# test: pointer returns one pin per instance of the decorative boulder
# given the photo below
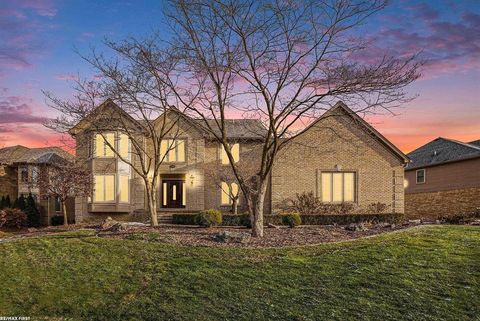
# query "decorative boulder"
(107, 223)
(231, 237)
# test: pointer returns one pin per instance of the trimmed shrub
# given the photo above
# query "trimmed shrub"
(56, 220)
(209, 218)
(184, 219)
(291, 219)
(236, 220)
(377, 208)
(12, 218)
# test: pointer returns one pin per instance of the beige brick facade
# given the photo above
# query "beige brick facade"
(332, 143)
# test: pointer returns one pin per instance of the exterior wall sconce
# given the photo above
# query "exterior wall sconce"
(338, 167)
(192, 179)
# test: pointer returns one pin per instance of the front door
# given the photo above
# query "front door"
(172, 194)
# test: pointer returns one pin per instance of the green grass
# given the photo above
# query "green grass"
(428, 273)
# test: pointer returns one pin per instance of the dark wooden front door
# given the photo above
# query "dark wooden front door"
(172, 194)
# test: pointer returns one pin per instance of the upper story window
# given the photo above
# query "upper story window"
(420, 176)
(235, 150)
(35, 173)
(102, 141)
(173, 150)
(24, 174)
(338, 187)
(124, 146)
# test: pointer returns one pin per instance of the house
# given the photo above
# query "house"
(340, 157)
(20, 168)
(443, 178)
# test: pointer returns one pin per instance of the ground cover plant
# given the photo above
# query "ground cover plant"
(423, 273)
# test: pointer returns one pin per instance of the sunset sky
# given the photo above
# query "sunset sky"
(38, 37)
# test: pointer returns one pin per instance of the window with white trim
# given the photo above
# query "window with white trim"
(420, 176)
(104, 188)
(124, 146)
(229, 191)
(338, 187)
(102, 149)
(124, 188)
(173, 150)
(235, 150)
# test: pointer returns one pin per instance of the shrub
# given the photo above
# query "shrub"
(12, 218)
(377, 208)
(291, 219)
(31, 209)
(236, 220)
(209, 218)
(56, 220)
(306, 203)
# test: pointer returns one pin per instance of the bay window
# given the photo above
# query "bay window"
(104, 188)
(102, 149)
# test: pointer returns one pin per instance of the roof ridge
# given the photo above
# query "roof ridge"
(462, 143)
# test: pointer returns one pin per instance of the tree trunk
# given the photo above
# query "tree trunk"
(235, 206)
(152, 204)
(65, 216)
(255, 204)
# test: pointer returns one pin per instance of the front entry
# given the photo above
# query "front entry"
(173, 194)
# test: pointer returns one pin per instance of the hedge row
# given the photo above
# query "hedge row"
(340, 219)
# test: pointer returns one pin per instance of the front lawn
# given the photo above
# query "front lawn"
(424, 273)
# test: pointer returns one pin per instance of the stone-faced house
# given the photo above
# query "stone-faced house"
(20, 167)
(340, 158)
(443, 178)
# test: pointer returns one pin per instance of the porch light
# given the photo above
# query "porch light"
(192, 179)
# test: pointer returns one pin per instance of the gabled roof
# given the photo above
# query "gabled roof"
(43, 155)
(442, 150)
(237, 128)
(475, 142)
(340, 109)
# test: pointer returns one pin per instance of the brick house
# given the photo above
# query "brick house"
(340, 157)
(20, 168)
(443, 178)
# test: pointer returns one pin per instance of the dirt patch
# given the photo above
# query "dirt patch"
(274, 237)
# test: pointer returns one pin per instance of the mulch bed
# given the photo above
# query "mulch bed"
(273, 237)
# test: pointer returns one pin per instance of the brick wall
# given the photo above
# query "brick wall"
(432, 205)
(339, 141)
(9, 182)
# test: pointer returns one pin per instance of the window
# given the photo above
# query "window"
(173, 149)
(104, 188)
(24, 174)
(235, 150)
(101, 147)
(337, 187)
(124, 186)
(228, 192)
(420, 176)
(57, 204)
(124, 146)
(35, 172)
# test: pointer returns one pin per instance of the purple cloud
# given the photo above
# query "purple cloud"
(15, 109)
(42, 7)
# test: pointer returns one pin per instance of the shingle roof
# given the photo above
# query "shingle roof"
(475, 142)
(442, 150)
(237, 128)
(22, 154)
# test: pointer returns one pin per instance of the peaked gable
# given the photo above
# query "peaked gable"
(342, 110)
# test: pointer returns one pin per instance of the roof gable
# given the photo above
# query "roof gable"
(340, 110)
(442, 150)
(43, 155)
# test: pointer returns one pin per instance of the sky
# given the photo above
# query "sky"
(39, 39)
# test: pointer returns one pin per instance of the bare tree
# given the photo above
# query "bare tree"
(133, 75)
(63, 180)
(282, 62)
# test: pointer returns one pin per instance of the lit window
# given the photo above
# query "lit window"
(337, 187)
(420, 176)
(124, 146)
(124, 187)
(235, 150)
(173, 150)
(228, 193)
(102, 149)
(104, 188)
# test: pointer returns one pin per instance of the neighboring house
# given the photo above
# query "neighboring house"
(340, 158)
(443, 178)
(20, 168)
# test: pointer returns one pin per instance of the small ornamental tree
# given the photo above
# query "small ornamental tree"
(2, 202)
(64, 180)
(30, 208)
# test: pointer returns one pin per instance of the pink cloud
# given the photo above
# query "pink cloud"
(42, 7)
(66, 77)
